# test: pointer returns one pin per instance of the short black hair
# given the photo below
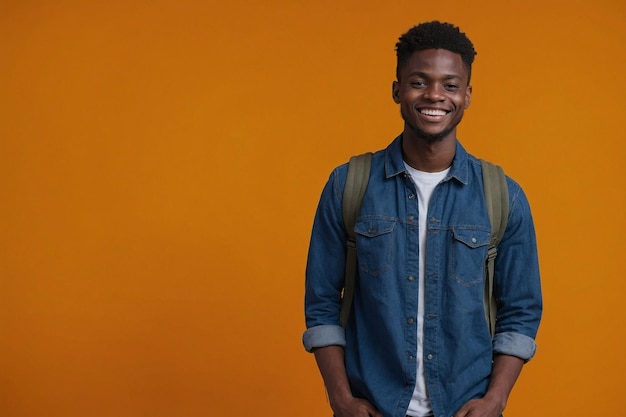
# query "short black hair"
(434, 35)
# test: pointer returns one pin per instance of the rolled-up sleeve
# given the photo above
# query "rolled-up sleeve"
(324, 335)
(515, 344)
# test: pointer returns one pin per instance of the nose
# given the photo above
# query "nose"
(434, 92)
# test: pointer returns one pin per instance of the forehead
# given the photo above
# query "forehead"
(436, 63)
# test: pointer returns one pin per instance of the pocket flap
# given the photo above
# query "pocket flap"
(472, 238)
(373, 228)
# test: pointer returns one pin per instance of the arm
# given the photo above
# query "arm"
(330, 361)
(324, 282)
(506, 369)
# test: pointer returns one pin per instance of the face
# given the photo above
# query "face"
(433, 92)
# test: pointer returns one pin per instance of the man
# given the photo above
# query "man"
(417, 342)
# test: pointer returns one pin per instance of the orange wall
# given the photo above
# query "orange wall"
(160, 164)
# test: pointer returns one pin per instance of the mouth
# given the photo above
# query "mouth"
(432, 115)
(433, 112)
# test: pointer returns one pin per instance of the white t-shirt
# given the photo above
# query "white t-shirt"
(425, 183)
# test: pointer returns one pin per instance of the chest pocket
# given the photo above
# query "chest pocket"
(468, 255)
(374, 245)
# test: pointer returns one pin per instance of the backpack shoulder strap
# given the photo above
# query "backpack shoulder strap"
(497, 199)
(356, 184)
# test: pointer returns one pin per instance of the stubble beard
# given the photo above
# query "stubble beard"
(431, 137)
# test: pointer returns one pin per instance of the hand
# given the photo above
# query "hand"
(482, 407)
(355, 407)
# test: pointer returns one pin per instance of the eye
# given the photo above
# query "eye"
(452, 87)
(417, 84)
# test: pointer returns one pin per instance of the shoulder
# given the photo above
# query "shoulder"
(340, 172)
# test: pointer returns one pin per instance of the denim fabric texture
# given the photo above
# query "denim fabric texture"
(380, 339)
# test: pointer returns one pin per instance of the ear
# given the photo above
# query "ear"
(395, 89)
(468, 96)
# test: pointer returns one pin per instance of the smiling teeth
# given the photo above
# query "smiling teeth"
(433, 112)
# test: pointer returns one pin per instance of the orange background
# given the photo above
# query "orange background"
(161, 161)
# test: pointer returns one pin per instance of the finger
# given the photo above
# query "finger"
(462, 412)
(374, 413)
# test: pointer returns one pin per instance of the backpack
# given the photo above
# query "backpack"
(496, 197)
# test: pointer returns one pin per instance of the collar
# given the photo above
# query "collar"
(394, 163)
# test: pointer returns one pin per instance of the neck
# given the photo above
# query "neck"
(428, 156)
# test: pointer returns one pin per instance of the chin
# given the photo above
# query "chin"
(431, 137)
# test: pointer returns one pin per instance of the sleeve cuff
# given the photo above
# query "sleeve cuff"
(323, 335)
(515, 344)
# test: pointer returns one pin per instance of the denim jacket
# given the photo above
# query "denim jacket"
(380, 339)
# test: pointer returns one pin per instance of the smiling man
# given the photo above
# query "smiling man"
(417, 342)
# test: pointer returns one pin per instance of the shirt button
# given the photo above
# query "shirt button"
(410, 357)
(411, 196)
(410, 321)
(411, 278)
(473, 240)
(430, 356)
(411, 218)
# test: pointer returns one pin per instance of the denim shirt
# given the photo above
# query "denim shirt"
(380, 339)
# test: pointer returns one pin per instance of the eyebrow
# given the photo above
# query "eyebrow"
(425, 75)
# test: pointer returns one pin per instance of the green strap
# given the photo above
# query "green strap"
(356, 184)
(497, 199)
